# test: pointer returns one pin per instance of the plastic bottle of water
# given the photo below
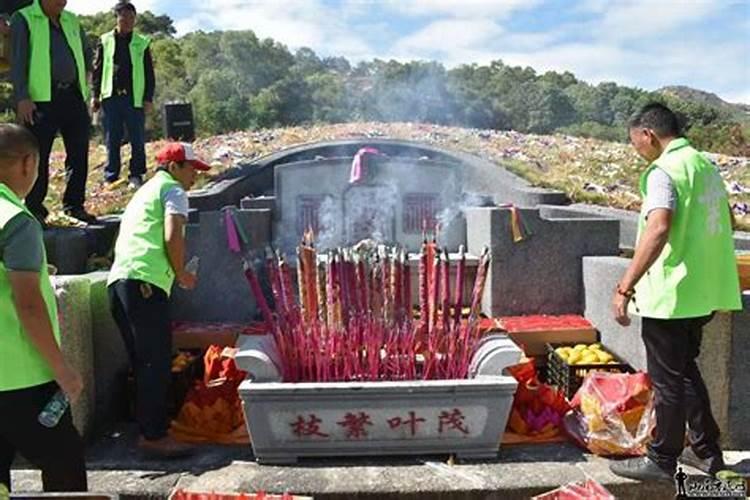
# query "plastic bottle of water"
(52, 413)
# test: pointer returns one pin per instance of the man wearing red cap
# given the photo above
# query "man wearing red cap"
(149, 258)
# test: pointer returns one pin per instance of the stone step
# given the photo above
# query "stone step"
(520, 472)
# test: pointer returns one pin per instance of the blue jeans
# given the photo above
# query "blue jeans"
(119, 111)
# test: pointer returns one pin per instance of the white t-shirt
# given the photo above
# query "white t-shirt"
(660, 192)
(176, 202)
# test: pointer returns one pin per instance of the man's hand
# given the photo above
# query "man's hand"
(25, 112)
(148, 107)
(95, 104)
(187, 280)
(620, 308)
(71, 383)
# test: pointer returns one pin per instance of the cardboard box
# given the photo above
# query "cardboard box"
(203, 335)
(532, 333)
(743, 266)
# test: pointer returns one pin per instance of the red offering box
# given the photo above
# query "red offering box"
(532, 333)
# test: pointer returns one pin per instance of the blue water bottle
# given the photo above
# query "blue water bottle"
(52, 413)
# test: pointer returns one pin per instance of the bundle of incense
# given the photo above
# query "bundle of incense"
(424, 291)
(376, 289)
(343, 286)
(446, 292)
(458, 303)
(320, 279)
(479, 281)
(385, 273)
(330, 292)
(260, 298)
(287, 290)
(344, 334)
(306, 278)
(302, 286)
(435, 294)
(275, 279)
(396, 287)
(363, 285)
(406, 287)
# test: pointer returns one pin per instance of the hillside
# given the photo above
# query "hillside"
(737, 110)
(588, 170)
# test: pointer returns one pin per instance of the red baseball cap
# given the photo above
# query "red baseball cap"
(179, 152)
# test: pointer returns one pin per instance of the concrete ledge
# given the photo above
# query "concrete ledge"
(519, 473)
(74, 308)
(628, 221)
(542, 273)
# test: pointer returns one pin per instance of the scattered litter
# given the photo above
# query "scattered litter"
(608, 170)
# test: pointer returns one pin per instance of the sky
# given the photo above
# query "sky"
(648, 44)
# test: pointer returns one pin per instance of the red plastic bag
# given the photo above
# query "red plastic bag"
(612, 414)
(588, 490)
(537, 408)
(212, 410)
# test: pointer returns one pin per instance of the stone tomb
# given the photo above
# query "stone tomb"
(390, 204)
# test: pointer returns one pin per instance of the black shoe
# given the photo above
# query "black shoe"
(641, 469)
(710, 465)
(81, 214)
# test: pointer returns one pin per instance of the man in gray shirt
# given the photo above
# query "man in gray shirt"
(61, 107)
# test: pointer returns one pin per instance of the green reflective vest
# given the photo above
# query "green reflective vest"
(140, 251)
(40, 65)
(696, 273)
(138, 46)
(21, 365)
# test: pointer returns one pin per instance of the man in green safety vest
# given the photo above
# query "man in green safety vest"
(50, 64)
(123, 87)
(683, 270)
(32, 368)
(149, 258)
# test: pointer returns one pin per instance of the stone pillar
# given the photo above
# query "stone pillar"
(222, 293)
(74, 308)
(542, 273)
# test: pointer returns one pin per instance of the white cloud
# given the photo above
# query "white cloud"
(632, 42)
(461, 8)
(447, 36)
(635, 19)
(308, 24)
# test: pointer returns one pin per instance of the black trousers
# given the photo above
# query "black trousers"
(57, 451)
(681, 397)
(66, 113)
(141, 311)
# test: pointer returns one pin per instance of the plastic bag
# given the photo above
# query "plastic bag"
(612, 414)
(212, 410)
(588, 490)
(538, 408)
